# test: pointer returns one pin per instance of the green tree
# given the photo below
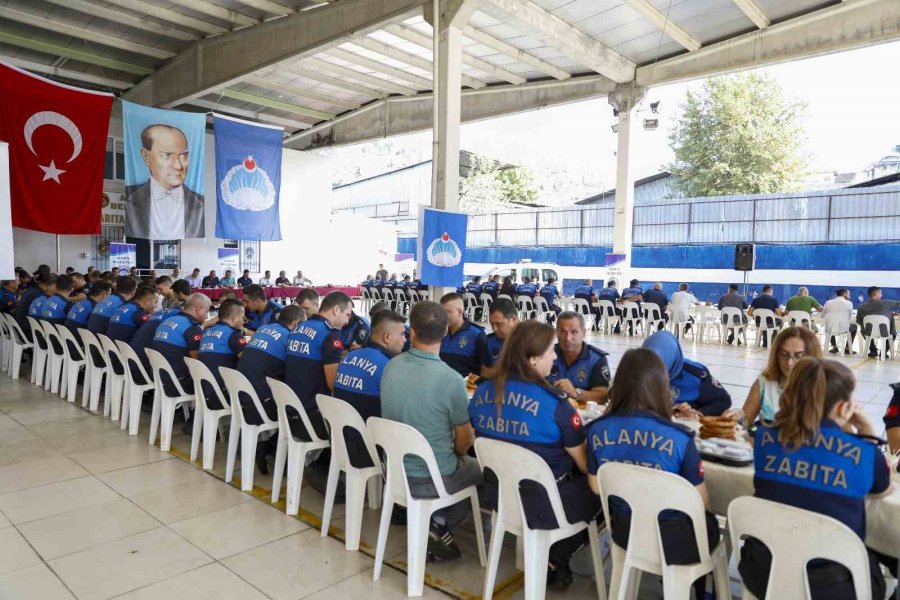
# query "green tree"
(739, 135)
(488, 187)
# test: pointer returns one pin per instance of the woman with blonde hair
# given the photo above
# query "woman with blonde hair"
(763, 399)
(806, 458)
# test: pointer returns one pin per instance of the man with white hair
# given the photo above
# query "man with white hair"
(179, 336)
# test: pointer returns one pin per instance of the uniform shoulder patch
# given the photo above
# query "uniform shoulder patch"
(575, 420)
(145, 317)
(242, 341)
(197, 337)
(337, 344)
(892, 411)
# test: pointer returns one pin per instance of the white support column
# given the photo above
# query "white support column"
(624, 99)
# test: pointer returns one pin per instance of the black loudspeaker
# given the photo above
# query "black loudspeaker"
(744, 257)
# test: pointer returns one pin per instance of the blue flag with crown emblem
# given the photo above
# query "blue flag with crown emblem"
(248, 179)
(441, 247)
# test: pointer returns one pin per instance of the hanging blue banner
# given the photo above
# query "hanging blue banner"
(123, 256)
(248, 179)
(441, 247)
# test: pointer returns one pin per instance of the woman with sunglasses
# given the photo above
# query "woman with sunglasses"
(791, 345)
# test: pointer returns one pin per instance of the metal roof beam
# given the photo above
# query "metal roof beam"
(67, 73)
(754, 13)
(664, 24)
(96, 10)
(250, 114)
(420, 62)
(571, 41)
(490, 41)
(342, 84)
(376, 82)
(289, 107)
(399, 115)
(171, 16)
(268, 6)
(83, 34)
(374, 65)
(219, 61)
(294, 90)
(845, 26)
(217, 12)
(86, 57)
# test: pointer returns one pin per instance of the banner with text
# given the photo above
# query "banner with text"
(7, 268)
(123, 256)
(229, 260)
(441, 247)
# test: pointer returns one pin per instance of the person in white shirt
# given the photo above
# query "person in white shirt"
(194, 279)
(266, 280)
(299, 279)
(842, 307)
(680, 302)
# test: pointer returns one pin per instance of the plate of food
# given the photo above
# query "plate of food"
(718, 441)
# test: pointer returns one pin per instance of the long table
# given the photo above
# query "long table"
(278, 291)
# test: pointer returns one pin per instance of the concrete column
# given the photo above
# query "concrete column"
(624, 99)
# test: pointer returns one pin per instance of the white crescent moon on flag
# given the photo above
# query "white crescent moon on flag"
(49, 117)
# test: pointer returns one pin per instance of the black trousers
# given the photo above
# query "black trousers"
(827, 580)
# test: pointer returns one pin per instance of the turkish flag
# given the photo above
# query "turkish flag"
(57, 148)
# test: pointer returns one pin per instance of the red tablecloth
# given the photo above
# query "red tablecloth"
(277, 292)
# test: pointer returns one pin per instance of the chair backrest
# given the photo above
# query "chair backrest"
(525, 302)
(54, 343)
(876, 326)
(581, 306)
(607, 308)
(765, 317)
(794, 537)
(504, 296)
(652, 311)
(398, 441)
(236, 383)
(18, 336)
(649, 492)
(365, 293)
(4, 326)
(512, 465)
(340, 414)
(92, 348)
(469, 299)
(112, 352)
(200, 373)
(132, 361)
(797, 317)
(631, 310)
(837, 324)
(71, 346)
(733, 316)
(159, 365)
(540, 304)
(37, 331)
(485, 297)
(286, 398)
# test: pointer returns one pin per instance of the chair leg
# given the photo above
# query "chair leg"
(197, 431)
(490, 576)
(86, 387)
(135, 399)
(72, 385)
(375, 487)
(96, 382)
(125, 413)
(296, 462)
(116, 385)
(166, 422)
(107, 393)
(353, 513)
(596, 556)
(234, 435)
(479, 529)
(281, 449)
(720, 576)
(384, 525)
(248, 456)
(210, 423)
(537, 551)
(617, 584)
(154, 418)
(417, 520)
(334, 475)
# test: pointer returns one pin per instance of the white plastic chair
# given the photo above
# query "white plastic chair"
(734, 323)
(5, 343)
(210, 416)
(837, 326)
(73, 362)
(290, 449)
(507, 296)
(512, 465)
(486, 301)
(649, 492)
(631, 315)
(583, 307)
(115, 381)
(652, 317)
(609, 319)
(399, 440)
(879, 328)
(526, 307)
(542, 309)
(797, 318)
(134, 390)
(20, 343)
(340, 415)
(678, 322)
(470, 303)
(794, 537)
(56, 358)
(97, 370)
(365, 299)
(164, 406)
(241, 431)
(768, 326)
(40, 350)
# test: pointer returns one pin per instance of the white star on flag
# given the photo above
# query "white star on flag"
(51, 172)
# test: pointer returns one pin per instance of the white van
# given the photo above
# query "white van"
(542, 272)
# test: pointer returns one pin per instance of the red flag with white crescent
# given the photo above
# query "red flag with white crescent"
(57, 148)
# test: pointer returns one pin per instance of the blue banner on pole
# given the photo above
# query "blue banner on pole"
(123, 256)
(229, 260)
(248, 179)
(441, 247)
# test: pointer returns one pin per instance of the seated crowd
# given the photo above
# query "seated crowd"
(529, 379)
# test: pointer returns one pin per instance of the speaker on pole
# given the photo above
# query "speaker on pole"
(744, 257)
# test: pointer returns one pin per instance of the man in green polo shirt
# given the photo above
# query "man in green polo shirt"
(803, 301)
(420, 390)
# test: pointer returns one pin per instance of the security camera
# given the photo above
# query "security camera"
(654, 107)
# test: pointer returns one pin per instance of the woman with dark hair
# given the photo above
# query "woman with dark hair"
(637, 429)
(807, 459)
(508, 288)
(763, 399)
(519, 406)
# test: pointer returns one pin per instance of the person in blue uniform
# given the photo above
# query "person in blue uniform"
(542, 420)
(580, 369)
(179, 336)
(98, 322)
(80, 287)
(806, 458)
(308, 301)
(658, 297)
(221, 346)
(491, 287)
(77, 317)
(143, 337)
(693, 388)
(503, 318)
(475, 287)
(639, 411)
(527, 288)
(633, 293)
(550, 293)
(356, 332)
(610, 294)
(9, 296)
(127, 318)
(259, 310)
(585, 292)
(465, 345)
(358, 378)
(45, 286)
(54, 308)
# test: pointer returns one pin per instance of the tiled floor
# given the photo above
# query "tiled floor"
(88, 512)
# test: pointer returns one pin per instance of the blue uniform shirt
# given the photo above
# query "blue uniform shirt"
(356, 331)
(219, 347)
(77, 317)
(584, 292)
(37, 307)
(830, 474)
(696, 386)
(244, 281)
(526, 289)
(608, 293)
(24, 307)
(494, 346)
(474, 288)
(632, 291)
(531, 416)
(465, 350)
(103, 312)
(7, 302)
(175, 337)
(491, 288)
(314, 344)
(264, 357)
(54, 309)
(143, 337)
(256, 320)
(590, 369)
(550, 293)
(125, 322)
(657, 297)
(358, 379)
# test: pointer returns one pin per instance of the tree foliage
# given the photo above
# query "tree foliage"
(739, 135)
(488, 187)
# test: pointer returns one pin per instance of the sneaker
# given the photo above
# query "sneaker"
(441, 546)
(559, 578)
